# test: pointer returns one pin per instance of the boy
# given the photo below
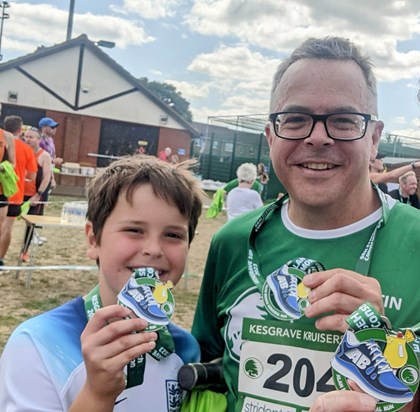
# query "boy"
(142, 213)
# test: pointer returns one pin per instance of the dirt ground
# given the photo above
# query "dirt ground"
(67, 247)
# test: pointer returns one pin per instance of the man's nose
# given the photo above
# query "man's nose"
(319, 135)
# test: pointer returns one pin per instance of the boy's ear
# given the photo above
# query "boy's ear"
(92, 246)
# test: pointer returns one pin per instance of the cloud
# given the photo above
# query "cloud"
(413, 130)
(399, 120)
(190, 90)
(151, 9)
(29, 28)
(237, 71)
(378, 27)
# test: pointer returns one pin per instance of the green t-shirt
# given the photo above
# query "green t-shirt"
(300, 354)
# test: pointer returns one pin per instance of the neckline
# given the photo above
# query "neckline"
(333, 233)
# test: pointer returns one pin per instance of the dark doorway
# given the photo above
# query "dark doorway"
(121, 139)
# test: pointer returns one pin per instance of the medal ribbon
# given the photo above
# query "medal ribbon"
(362, 266)
(135, 369)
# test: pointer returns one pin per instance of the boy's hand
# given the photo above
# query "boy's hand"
(108, 345)
(341, 292)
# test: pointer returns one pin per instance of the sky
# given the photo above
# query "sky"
(221, 54)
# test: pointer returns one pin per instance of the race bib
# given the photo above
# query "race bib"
(278, 371)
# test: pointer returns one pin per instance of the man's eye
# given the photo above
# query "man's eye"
(345, 120)
(294, 119)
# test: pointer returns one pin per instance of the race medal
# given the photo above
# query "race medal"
(381, 361)
(148, 298)
(284, 294)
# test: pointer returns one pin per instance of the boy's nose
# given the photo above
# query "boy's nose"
(152, 247)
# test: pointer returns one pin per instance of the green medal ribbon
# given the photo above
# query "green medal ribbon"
(362, 266)
(135, 369)
(367, 317)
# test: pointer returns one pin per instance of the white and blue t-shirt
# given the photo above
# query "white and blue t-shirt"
(42, 367)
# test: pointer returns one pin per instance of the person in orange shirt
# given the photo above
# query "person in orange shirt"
(26, 168)
(36, 191)
(7, 152)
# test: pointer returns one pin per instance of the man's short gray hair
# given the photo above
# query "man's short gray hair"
(329, 48)
(247, 172)
(403, 178)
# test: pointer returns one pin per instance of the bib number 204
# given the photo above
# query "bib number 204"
(304, 380)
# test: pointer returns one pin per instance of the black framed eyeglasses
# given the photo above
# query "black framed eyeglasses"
(339, 126)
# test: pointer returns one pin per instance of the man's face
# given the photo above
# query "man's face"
(410, 186)
(50, 131)
(319, 171)
(377, 166)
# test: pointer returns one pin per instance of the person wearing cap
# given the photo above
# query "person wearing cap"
(48, 129)
(142, 147)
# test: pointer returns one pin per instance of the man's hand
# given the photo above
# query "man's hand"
(58, 161)
(344, 401)
(341, 292)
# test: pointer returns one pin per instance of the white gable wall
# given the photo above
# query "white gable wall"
(99, 81)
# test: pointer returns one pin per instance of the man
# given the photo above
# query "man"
(407, 192)
(48, 129)
(276, 332)
(25, 168)
(7, 152)
(381, 177)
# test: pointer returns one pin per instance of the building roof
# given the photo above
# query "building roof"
(83, 42)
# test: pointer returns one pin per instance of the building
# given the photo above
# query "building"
(101, 108)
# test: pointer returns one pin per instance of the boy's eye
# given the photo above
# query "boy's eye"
(134, 230)
(175, 235)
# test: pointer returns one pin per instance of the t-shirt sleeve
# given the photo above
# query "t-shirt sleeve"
(258, 201)
(25, 385)
(206, 327)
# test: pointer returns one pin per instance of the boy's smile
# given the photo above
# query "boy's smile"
(148, 232)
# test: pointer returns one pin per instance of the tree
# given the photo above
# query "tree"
(169, 95)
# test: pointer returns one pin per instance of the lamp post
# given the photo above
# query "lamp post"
(70, 21)
(4, 5)
(105, 43)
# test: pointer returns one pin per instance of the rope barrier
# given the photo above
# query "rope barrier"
(54, 202)
(48, 267)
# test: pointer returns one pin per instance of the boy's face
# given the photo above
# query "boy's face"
(148, 233)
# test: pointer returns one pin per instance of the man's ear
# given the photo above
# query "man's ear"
(376, 137)
(268, 134)
(92, 246)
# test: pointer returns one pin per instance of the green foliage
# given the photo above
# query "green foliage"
(169, 95)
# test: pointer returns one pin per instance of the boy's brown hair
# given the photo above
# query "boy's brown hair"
(173, 183)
